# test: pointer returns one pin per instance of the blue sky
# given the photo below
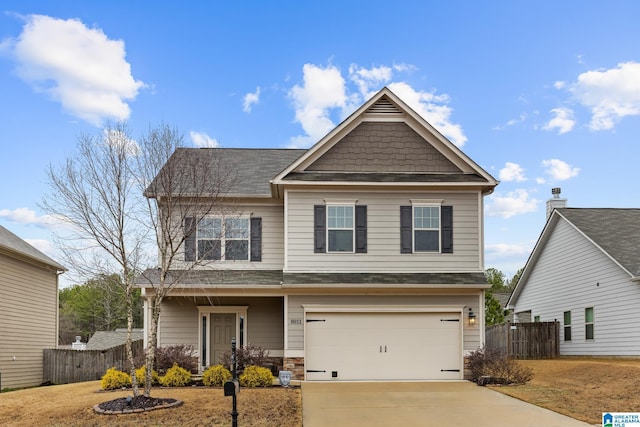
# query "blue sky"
(541, 94)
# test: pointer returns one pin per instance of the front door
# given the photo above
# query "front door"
(223, 329)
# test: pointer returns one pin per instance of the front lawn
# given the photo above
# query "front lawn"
(582, 388)
(72, 405)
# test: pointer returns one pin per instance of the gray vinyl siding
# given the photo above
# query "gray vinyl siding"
(383, 234)
(28, 319)
(272, 239)
(179, 320)
(471, 336)
(573, 274)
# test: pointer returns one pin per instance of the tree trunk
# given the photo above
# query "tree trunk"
(152, 344)
(129, 350)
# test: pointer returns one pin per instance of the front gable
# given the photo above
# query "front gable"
(383, 147)
(385, 141)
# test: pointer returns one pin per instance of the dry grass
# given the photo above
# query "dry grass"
(72, 405)
(581, 388)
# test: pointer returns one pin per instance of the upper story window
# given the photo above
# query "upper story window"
(426, 228)
(229, 239)
(340, 228)
(217, 236)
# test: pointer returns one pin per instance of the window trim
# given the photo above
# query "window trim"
(223, 239)
(423, 204)
(333, 204)
(591, 323)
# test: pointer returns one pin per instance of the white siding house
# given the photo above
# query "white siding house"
(361, 257)
(585, 272)
(28, 310)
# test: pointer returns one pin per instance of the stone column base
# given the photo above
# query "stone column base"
(296, 366)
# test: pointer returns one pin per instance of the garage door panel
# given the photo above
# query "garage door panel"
(383, 346)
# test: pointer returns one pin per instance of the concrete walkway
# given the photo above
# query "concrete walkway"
(464, 404)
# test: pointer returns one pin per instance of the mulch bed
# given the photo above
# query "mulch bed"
(137, 404)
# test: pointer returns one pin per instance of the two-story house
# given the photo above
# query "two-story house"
(360, 258)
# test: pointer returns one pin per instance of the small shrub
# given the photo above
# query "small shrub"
(176, 377)
(216, 376)
(256, 376)
(141, 372)
(250, 355)
(499, 368)
(114, 379)
(183, 355)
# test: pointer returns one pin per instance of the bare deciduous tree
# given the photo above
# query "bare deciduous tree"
(120, 196)
(180, 188)
(95, 193)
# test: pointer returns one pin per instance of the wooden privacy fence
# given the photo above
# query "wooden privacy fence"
(72, 366)
(538, 340)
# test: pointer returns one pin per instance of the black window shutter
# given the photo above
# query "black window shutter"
(446, 218)
(406, 241)
(190, 239)
(256, 239)
(361, 229)
(319, 229)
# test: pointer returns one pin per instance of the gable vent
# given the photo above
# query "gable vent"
(384, 106)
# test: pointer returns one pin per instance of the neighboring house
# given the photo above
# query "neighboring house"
(103, 340)
(585, 273)
(360, 258)
(28, 310)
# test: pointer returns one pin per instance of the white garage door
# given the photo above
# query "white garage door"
(383, 346)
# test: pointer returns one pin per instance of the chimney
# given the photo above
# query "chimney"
(555, 202)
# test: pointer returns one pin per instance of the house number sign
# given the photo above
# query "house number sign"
(295, 321)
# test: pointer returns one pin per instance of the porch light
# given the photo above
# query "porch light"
(472, 317)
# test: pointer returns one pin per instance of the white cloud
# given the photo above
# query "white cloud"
(508, 249)
(559, 84)
(117, 137)
(433, 109)
(563, 120)
(202, 140)
(512, 172)
(610, 94)
(541, 181)
(79, 67)
(512, 122)
(513, 203)
(559, 170)
(370, 80)
(28, 217)
(250, 99)
(323, 89)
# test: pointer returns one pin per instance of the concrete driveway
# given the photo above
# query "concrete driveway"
(461, 403)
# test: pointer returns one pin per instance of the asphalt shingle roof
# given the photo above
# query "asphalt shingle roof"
(209, 278)
(13, 243)
(103, 340)
(616, 231)
(240, 170)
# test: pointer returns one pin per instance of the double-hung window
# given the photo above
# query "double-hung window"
(426, 228)
(588, 323)
(222, 238)
(567, 326)
(340, 228)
